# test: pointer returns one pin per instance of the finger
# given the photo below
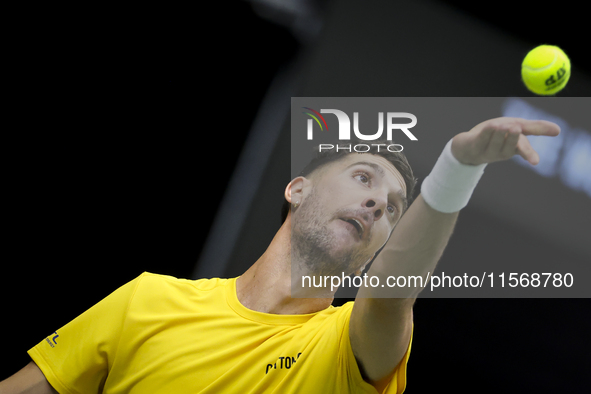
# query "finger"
(483, 140)
(496, 142)
(510, 146)
(539, 127)
(525, 150)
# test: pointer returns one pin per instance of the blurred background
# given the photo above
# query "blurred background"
(157, 139)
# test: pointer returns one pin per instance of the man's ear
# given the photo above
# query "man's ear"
(294, 192)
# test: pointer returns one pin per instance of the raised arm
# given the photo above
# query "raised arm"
(29, 380)
(380, 328)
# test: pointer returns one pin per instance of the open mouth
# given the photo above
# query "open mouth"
(355, 223)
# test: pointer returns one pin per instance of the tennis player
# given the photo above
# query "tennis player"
(251, 334)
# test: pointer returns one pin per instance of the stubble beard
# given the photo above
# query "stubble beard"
(313, 243)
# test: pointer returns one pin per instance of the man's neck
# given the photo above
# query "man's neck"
(266, 286)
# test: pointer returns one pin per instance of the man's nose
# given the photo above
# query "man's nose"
(376, 205)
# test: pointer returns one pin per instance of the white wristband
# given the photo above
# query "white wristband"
(450, 184)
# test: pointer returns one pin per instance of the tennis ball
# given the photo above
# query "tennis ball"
(545, 70)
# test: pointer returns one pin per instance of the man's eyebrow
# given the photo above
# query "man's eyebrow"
(376, 167)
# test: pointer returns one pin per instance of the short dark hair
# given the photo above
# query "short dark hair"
(398, 160)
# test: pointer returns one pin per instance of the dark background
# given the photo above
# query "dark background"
(126, 124)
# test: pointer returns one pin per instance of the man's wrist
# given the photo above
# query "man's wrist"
(450, 184)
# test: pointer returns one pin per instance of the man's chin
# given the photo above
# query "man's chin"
(336, 254)
(342, 261)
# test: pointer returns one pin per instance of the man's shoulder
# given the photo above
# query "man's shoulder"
(337, 312)
(152, 285)
(164, 280)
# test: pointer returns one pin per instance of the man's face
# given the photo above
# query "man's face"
(348, 213)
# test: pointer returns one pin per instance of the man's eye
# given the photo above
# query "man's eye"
(391, 209)
(363, 178)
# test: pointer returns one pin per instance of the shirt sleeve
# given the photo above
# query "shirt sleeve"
(398, 382)
(397, 379)
(77, 357)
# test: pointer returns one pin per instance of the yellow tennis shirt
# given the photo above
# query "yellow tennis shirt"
(159, 334)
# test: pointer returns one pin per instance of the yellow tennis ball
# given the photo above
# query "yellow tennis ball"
(545, 70)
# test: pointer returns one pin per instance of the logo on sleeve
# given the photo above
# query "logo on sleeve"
(53, 341)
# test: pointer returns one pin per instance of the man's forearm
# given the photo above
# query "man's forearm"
(382, 316)
(29, 380)
(415, 247)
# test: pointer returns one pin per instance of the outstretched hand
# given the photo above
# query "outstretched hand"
(500, 139)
